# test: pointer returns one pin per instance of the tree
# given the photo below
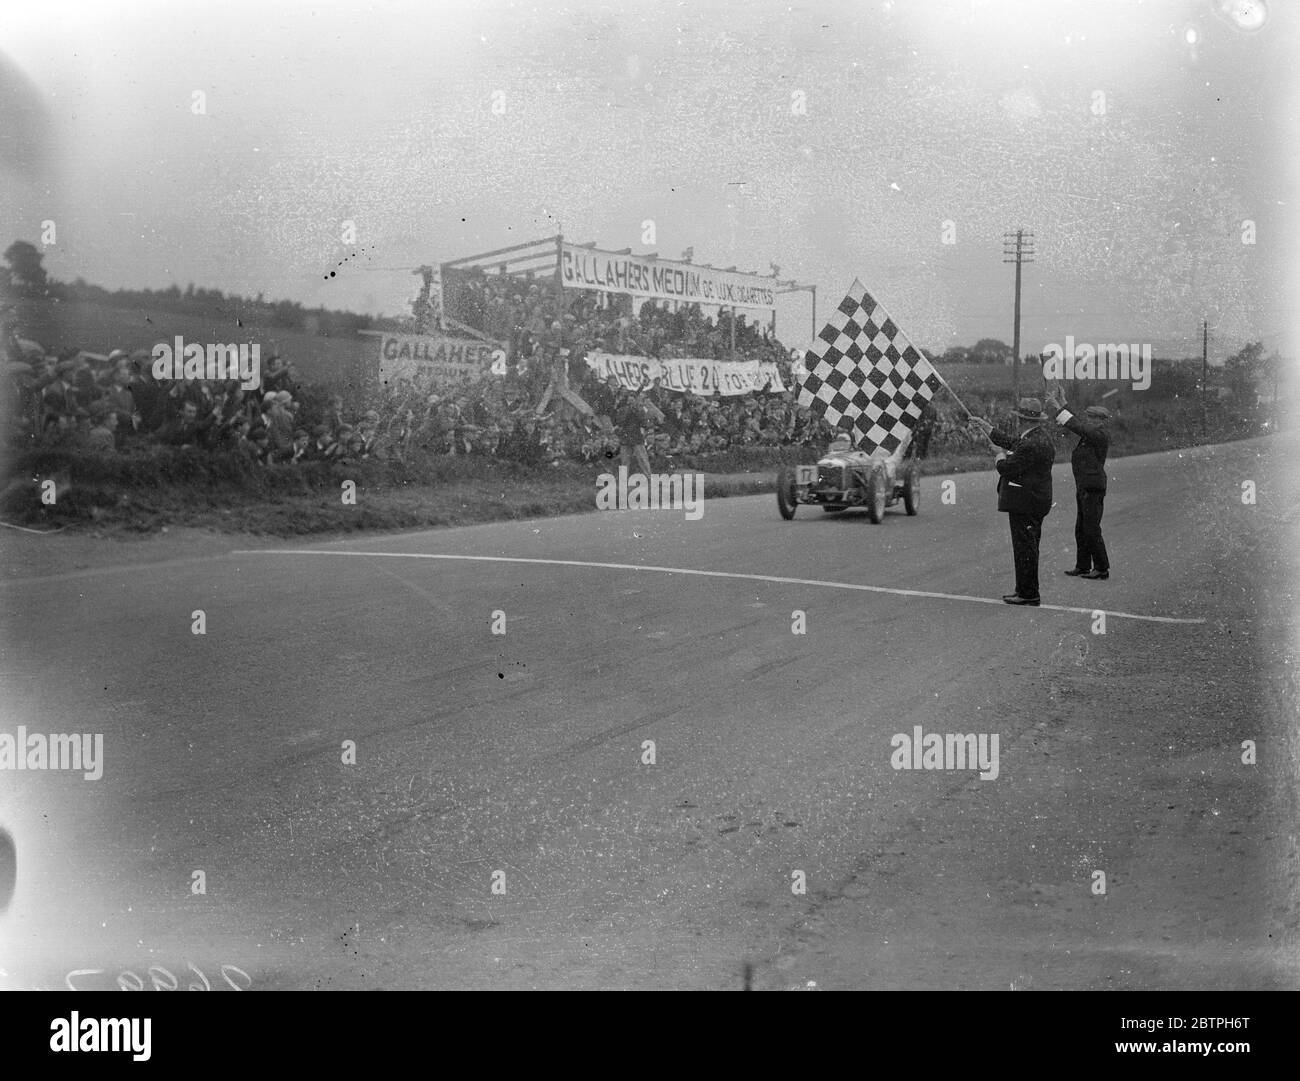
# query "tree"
(990, 351)
(1175, 378)
(27, 276)
(957, 354)
(1249, 372)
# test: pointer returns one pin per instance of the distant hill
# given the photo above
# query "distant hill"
(99, 328)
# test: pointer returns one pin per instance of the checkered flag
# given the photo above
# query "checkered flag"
(863, 375)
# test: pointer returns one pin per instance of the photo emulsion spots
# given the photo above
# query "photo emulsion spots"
(519, 495)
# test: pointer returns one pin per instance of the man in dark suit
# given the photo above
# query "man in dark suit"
(1088, 461)
(1024, 492)
(631, 418)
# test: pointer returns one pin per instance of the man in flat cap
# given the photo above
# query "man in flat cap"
(1088, 460)
(101, 439)
(1024, 492)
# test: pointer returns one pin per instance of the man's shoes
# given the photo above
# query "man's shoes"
(1015, 598)
(1098, 576)
(1075, 572)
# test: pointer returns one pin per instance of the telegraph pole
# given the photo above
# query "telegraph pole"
(1017, 248)
(1205, 376)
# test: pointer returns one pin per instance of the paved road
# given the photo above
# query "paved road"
(519, 759)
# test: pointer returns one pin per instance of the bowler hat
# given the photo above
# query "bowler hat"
(1098, 411)
(1030, 409)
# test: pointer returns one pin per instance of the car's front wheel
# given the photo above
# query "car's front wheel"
(786, 500)
(878, 498)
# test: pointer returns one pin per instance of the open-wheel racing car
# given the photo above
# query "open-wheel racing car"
(846, 478)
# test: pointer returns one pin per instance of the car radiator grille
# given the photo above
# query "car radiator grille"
(830, 476)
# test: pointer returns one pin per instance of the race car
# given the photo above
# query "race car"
(846, 478)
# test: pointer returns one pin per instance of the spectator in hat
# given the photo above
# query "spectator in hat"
(356, 447)
(1088, 463)
(101, 438)
(120, 399)
(334, 413)
(323, 444)
(346, 443)
(279, 422)
(59, 394)
(630, 420)
(56, 428)
(150, 398)
(1024, 492)
(922, 432)
(368, 429)
(186, 428)
(298, 448)
(257, 446)
(277, 374)
(234, 433)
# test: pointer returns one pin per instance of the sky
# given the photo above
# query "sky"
(835, 140)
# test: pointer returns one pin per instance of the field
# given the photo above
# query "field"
(983, 380)
(988, 378)
(99, 329)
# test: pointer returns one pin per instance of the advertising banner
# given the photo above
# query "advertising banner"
(609, 272)
(704, 377)
(434, 360)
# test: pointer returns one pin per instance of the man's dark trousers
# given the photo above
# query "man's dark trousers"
(1087, 530)
(1026, 531)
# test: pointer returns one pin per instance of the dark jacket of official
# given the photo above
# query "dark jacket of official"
(1088, 459)
(1025, 486)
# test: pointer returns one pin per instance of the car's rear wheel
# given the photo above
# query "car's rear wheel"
(879, 497)
(912, 490)
(786, 500)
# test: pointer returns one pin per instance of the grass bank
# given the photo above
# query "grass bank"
(151, 488)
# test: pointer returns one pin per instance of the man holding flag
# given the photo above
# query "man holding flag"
(864, 376)
(1024, 492)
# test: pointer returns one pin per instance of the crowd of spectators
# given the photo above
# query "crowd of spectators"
(536, 318)
(542, 325)
(495, 417)
(107, 403)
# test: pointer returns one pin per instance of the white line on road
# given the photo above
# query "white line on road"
(699, 573)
